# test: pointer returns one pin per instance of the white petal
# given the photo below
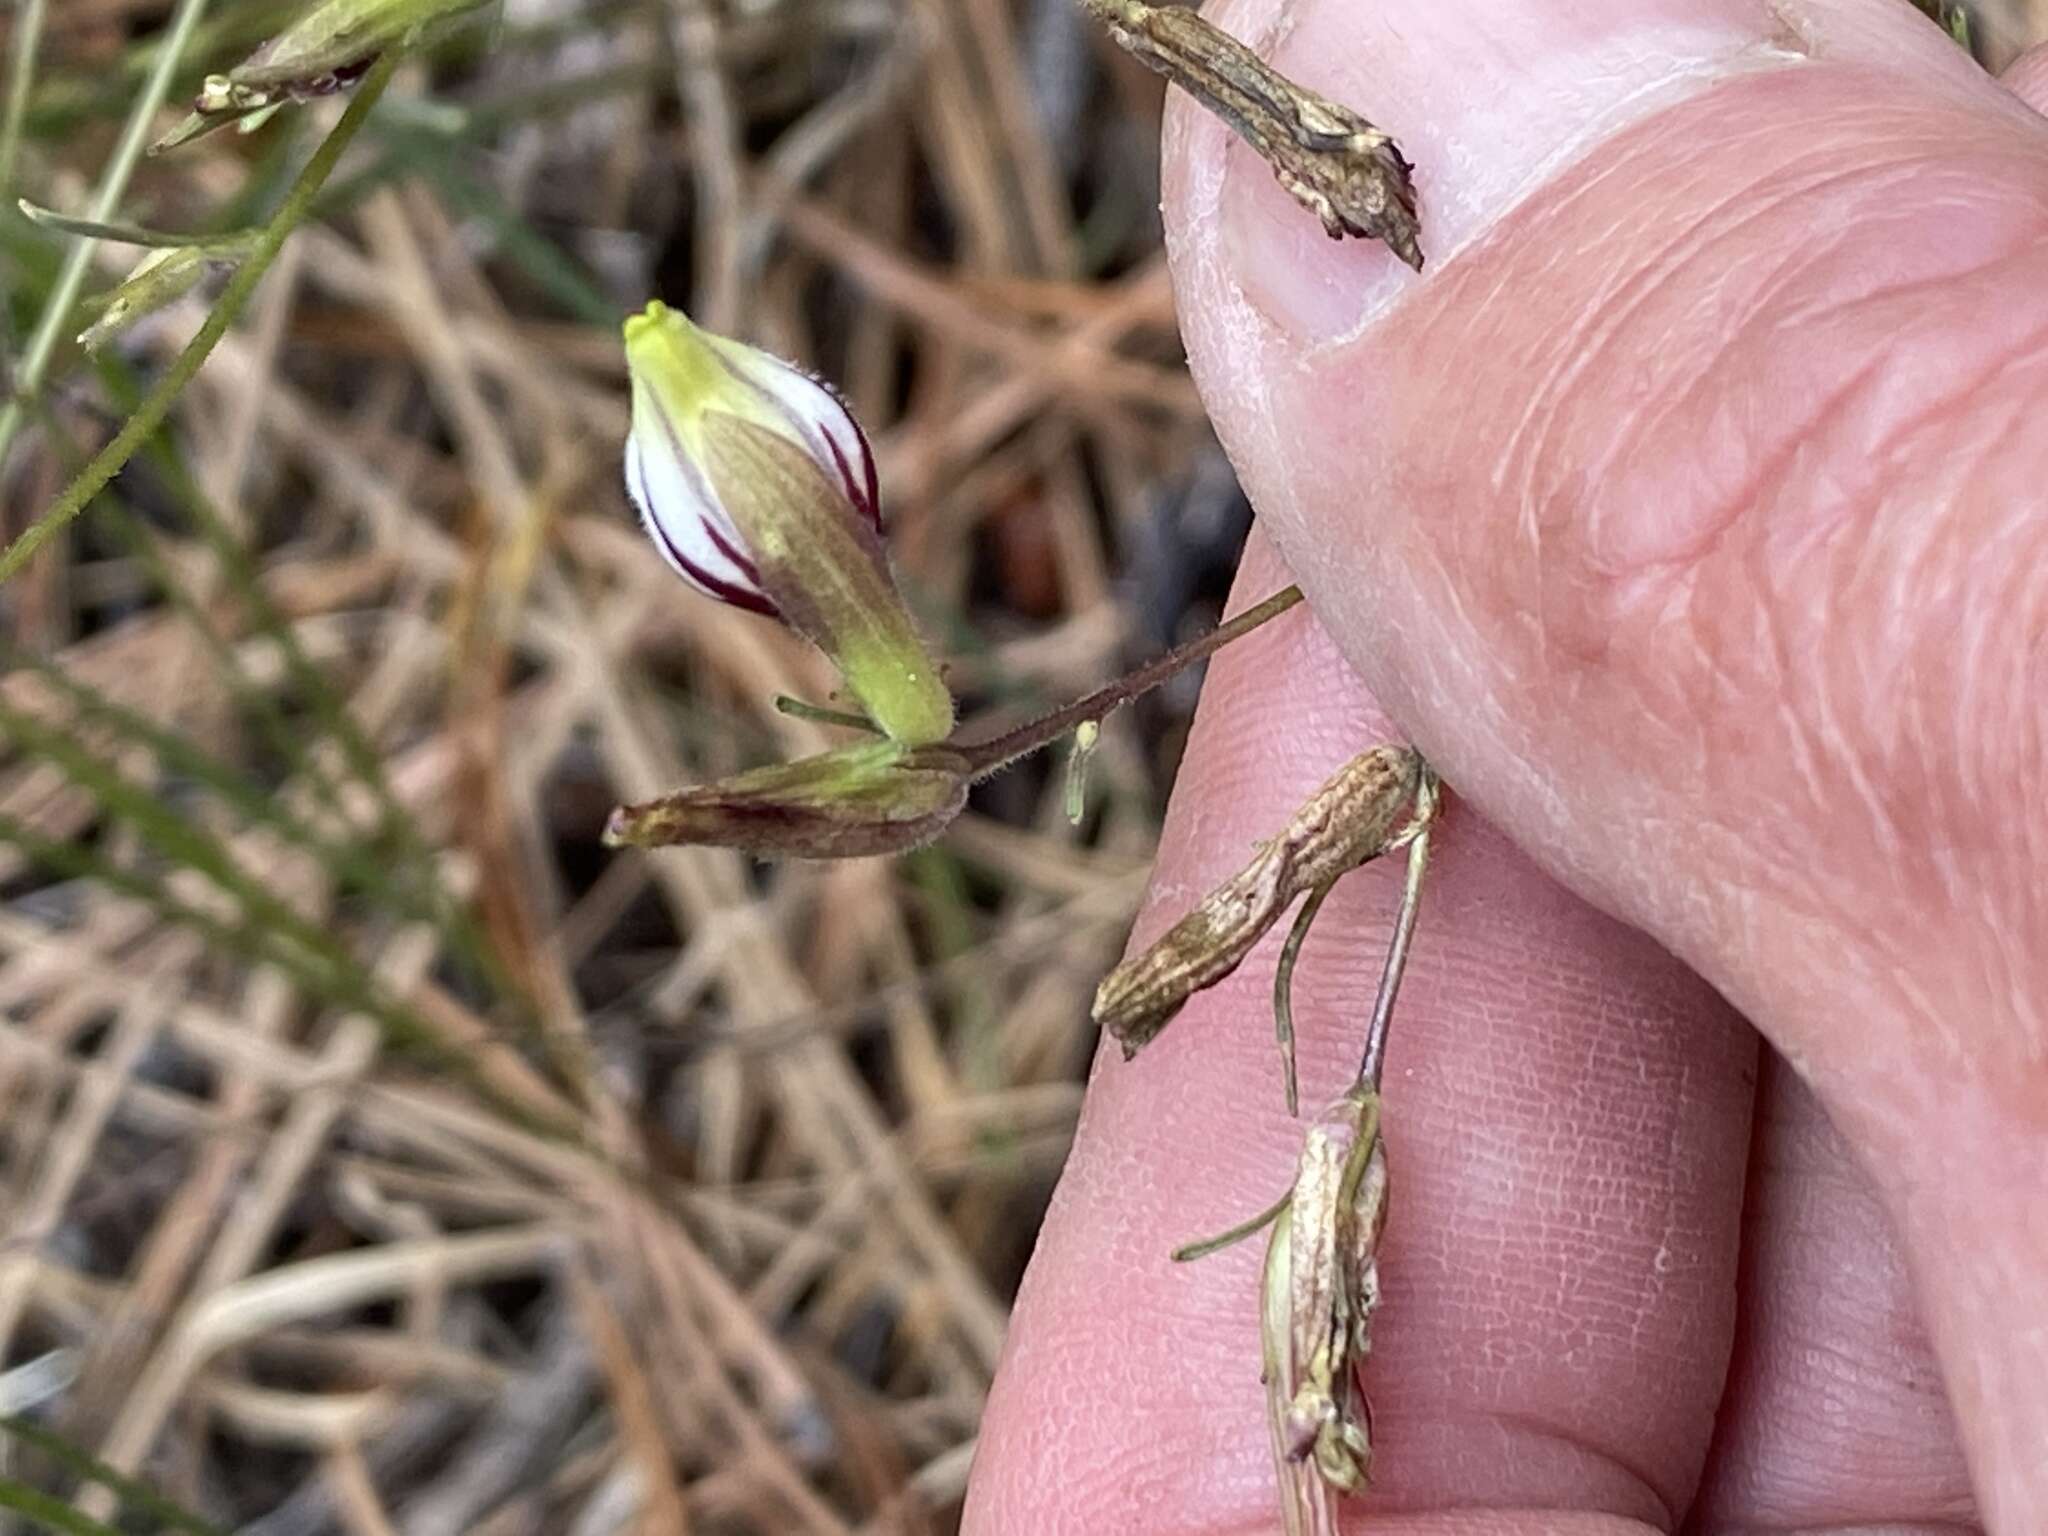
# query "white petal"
(683, 518)
(815, 416)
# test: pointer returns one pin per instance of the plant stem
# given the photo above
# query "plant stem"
(42, 345)
(28, 42)
(987, 757)
(1427, 795)
(109, 460)
(1283, 991)
(1188, 1253)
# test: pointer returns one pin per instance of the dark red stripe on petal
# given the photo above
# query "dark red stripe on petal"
(691, 471)
(874, 476)
(749, 598)
(724, 591)
(864, 498)
(863, 490)
(742, 562)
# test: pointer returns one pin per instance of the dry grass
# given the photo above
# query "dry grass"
(704, 1213)
(525, 1188)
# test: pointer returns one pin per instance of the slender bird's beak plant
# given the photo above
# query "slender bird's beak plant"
(757, 486)
(759, 489)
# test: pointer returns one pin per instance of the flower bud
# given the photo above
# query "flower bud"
(160, 279)
(327, 49)
(876, 797)
(759, 488)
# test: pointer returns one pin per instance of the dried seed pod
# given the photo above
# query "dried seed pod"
(1346, 822)
(873, 798)
(1348, 173)
(1320, 1289)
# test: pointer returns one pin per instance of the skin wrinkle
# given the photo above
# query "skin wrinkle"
(1816, 732)
(1551, 605)
(2018, 603)
(1744, 342)
(1926, 567)
(1714, 377)
(1613, 311)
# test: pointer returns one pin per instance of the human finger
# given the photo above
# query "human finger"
(1566, 1117)
(1688, 512)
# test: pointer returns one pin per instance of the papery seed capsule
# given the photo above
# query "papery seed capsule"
(1346, 822)
(1320, 1288)
(873, 798)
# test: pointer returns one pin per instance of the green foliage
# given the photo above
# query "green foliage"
(165, 807)
(54, 1515)
(47, 1513)
(1952, 18)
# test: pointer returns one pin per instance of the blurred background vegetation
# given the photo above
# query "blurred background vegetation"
(377, 1153)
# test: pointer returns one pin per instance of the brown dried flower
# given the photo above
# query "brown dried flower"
(1320, 1290)
(1346, 822)
(1349, 174)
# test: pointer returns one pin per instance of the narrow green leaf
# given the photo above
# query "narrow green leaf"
(91, 1469)
(49, 1513)
(138, 429)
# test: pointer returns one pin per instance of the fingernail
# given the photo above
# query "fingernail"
(1489, 98)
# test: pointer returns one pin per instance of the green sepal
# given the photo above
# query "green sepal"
(828, 574)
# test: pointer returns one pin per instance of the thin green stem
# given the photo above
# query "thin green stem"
(359, 756)
(347, 861)
(28, 42)
(228, 245)
(50, 1513)
(1283, 991)
(329, 975)
(42, 345)
(1187, 1253)
(138, 1495)
(818, 714)
(413, 887)
(250, 939)
(187, 844)
(997, 753)
(137, 430)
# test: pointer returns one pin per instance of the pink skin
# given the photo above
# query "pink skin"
(1690, 514)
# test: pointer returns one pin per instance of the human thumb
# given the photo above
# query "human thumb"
(1691, 512)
